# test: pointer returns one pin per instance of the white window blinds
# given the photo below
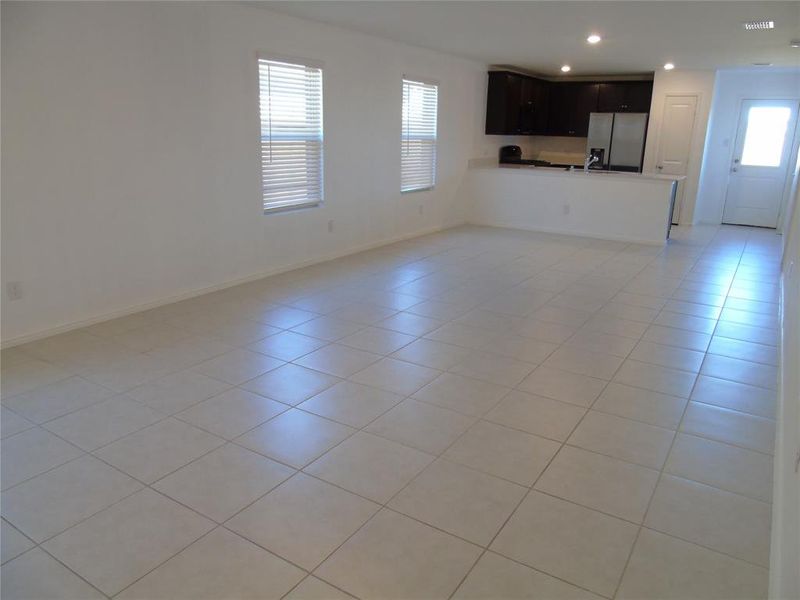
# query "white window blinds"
(418, 140)
(291, 134)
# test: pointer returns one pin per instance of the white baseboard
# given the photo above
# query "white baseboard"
(124, 312)
(572, 232)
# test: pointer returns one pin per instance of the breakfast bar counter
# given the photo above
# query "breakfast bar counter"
(633, 207)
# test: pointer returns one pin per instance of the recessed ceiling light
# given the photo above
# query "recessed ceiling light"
(566, 69)
(669, 67)
(593, 39)
(758, 25)
(762, 64)
(795, 43)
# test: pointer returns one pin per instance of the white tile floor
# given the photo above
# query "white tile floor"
(480, 413)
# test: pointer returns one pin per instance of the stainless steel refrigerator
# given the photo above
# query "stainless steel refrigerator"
(618, 139)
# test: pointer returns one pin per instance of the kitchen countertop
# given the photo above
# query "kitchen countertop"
(578, 172)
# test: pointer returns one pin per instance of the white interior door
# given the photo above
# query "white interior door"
(675, 141)
(760, 162)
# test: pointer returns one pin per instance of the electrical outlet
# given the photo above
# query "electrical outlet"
(14, 290)
(330, 226)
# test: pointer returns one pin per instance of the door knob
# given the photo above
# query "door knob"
(660, 167)
(736, 160)
(734, 169)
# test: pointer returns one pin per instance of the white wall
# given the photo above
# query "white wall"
(130, 166)
(680, 82)
(733, 86)
(784, 575)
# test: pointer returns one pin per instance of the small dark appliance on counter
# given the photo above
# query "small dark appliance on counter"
(510, 154)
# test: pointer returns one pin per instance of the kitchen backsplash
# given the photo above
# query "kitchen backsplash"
(551, 148)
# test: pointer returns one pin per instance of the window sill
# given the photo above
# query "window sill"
(291, 208)
(425, 189)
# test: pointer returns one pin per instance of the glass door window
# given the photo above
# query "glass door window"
(765, 135)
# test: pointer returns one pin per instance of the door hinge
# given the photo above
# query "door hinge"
(797, 461)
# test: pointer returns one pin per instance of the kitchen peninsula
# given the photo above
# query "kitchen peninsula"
(632, 207)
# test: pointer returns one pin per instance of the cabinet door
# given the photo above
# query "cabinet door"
(497, 104)
(611, 97)
(586, 96)
(625, 96)
(560, 107)
(502, 103)
(638, 97)
(569, 108)
(527, 106)
(513, 104)
(541, 106)
(533, 106)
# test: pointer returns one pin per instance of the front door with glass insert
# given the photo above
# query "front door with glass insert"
(760, 162)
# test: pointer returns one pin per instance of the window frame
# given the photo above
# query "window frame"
(407, 77)
(304, 62)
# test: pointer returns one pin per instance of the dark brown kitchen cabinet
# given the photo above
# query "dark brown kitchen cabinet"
(639, 96)
(625, 96)
(533, 115)
(516, 104)
(569, 106)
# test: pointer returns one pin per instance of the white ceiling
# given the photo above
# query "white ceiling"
(638, 36)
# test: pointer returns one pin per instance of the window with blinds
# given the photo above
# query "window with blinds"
(418, 140)
(291, 134)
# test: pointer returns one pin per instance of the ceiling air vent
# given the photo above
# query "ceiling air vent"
(758, 25)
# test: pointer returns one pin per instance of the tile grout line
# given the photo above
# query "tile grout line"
(655, 487)
(146, 486)
(440, 456)
(661, 471)
(533, 485)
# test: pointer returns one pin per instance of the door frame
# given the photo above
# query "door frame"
(792, 167)
(676, 219)
(655, 129)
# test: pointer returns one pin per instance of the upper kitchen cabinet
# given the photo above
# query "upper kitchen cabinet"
(625, 96)
(533, 116)
(516, 104)
(569, 107)
(519, 104)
